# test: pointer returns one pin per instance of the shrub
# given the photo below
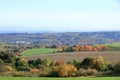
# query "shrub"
(44, 70)
(53, 71)
(9, 73)
(43, 74)
(60, 62)
(94, 63)
(42, 67)
(7, 57)
(100, 64)
(57, 63)
(32, 63)
(64, 71)
(117, 67)
(9, 68)
(87, 72)
(21, 65)
(19, 74)
(45, 62)
(53, 63)
(34, 72)
(38, 61)
(4, 68)
(1, 61)
(87, 63)
(76, 63)
(23, 68)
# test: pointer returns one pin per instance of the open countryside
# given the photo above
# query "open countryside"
(59, 39)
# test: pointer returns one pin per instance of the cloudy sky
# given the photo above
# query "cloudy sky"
(59, 15)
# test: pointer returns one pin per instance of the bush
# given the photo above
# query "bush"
(9, 68)
(34, 72)
(1, 61)
(44, 70)
(23, 68)
(57, 63)
(7, 56)
(4, 68)
(34, 63)
(21, 65)
(43, 74)
(45, 62)
(76, 63)
(117, 67)
(19, 74)
(94, 63)
(87, 72)
(64, 71)
(87, 63)
(100, 66)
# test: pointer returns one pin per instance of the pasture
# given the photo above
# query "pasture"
(114, 46)
(74, 78)
(38, 51)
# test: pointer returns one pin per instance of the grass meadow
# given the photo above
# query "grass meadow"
(38, 51)
(114, 46)
(74, 78)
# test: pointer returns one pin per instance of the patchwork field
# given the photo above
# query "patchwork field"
(113, 56)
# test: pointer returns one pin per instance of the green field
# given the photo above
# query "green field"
(78, 78)
(114, 46)
(38, 51)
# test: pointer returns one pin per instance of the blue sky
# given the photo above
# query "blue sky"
(59, 15)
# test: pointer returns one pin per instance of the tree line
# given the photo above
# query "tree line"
(77, 48)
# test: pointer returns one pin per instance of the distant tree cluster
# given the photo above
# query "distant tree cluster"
(76, 48)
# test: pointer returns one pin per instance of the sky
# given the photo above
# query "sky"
(59, 15)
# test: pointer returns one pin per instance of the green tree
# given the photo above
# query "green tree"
(76, 63)
(46, 62)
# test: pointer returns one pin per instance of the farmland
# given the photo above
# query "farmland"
(38, 51)
(114, 46)
(112, 56)
(76, 78)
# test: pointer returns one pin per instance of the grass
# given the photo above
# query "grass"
(114, 46)
(38, 51)
(74, 78)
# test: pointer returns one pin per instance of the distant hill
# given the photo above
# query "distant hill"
(66, 38)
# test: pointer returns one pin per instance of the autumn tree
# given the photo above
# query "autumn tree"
(64, 71)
